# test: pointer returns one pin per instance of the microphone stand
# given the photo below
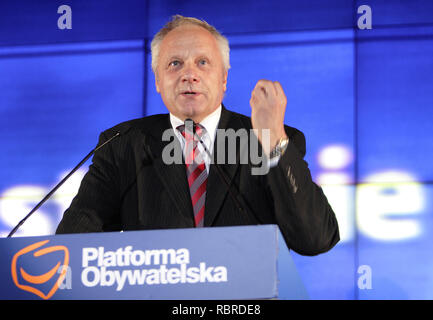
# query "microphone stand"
(59, 185)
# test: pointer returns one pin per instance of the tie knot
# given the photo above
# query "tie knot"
(191, 130)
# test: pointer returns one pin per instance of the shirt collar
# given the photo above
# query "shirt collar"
(210, 123)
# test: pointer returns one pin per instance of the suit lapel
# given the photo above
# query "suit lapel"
(216, 190)
(172, 176)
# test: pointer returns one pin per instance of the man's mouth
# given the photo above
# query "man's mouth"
(190, 93)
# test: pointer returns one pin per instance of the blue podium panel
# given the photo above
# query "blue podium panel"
(205, 263)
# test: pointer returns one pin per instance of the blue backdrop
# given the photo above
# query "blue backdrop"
(363, 98)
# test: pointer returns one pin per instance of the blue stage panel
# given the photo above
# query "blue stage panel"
(53, 106)
(399, 12)
(395, 98)
(395, 236)
(234, 17)
(35, 22)
(331, 275)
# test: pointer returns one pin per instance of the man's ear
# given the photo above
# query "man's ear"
(225, 75)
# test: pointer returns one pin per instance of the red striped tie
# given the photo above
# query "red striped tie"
(195, 169)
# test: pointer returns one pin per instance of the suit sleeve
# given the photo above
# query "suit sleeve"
(95, 208)
(302, 211)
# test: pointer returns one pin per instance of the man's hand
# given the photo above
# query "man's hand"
(268, 104)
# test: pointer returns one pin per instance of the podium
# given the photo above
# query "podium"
(219, 263)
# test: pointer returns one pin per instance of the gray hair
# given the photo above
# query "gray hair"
(178, 21)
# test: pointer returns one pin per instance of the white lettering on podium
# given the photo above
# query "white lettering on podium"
(100, 267)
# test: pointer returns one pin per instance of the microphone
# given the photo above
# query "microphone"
(189, 123)
(60, 183)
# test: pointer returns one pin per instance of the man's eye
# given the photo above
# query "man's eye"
(203, 62)
(174, 63)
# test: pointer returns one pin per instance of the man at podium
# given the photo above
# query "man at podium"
(138, 181)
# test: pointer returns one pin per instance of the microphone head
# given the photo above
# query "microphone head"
(189, 125)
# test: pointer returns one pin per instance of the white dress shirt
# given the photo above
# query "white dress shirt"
(210, 123)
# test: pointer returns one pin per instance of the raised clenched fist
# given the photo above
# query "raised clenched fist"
(268, 104)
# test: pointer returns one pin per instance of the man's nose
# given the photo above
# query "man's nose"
(190, 75)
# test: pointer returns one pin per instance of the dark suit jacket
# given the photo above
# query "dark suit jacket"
(129, 187)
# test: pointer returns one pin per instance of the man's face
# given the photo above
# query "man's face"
(190, 74)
